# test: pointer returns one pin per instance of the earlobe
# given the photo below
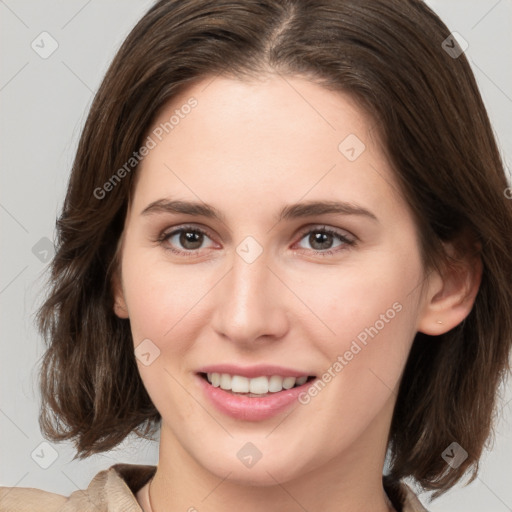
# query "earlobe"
(120, 308)
(450, 297)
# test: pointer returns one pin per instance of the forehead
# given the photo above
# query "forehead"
(264, 106)
(275, 136)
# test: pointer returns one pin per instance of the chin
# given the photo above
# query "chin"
(259, 475)
(272, 468)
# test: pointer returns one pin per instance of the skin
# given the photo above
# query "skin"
(248, 149)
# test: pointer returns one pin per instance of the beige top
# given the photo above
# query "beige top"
(114, 489)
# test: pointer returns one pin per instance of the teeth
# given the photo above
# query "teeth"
(258, 385)
(275, 383)
(289, 382)
(225, 381)
(240, 384)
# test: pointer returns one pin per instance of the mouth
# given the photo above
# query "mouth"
(252, 393)
(256, 387)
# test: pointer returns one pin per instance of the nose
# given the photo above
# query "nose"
(250, 303)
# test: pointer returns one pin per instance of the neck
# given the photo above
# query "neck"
(351, 482)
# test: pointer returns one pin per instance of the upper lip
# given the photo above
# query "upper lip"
(260, 370)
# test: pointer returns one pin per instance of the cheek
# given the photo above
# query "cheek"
(364, 324)
(159, 295)
(161, 301)
(349, 299)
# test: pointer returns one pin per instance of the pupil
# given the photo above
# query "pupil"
(320, 240)
(191, 240)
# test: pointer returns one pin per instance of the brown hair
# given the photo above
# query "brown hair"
(388, 55)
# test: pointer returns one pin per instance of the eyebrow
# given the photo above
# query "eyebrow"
(292, 211)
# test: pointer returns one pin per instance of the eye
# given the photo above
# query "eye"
(185, 240)
(322, 240)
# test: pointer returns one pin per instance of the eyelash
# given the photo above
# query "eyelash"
(165, 236)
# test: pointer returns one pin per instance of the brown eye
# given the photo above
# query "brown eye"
(320, 241)
(185, 240)
(324, 240)
(191, 239)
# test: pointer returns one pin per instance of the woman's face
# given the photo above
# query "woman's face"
(267, 238)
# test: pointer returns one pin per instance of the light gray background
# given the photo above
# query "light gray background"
(44, 104)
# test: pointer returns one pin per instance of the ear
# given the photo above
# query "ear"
(120, 308)
(449, 297)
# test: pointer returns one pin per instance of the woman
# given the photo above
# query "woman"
(273, 248)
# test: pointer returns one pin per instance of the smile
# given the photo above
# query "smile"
(255, 397)
(254, 387)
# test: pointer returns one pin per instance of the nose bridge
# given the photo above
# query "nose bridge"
(249, 304)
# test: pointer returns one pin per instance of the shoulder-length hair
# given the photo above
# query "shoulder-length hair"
(393, 58)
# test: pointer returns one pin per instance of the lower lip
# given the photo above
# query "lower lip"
(242, 407)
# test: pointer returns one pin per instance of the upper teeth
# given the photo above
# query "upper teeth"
(258, 385)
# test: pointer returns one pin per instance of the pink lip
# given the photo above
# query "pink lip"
(261, 370)
(242, 407)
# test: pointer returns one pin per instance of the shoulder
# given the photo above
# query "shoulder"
(112, 489)
(20, 499)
